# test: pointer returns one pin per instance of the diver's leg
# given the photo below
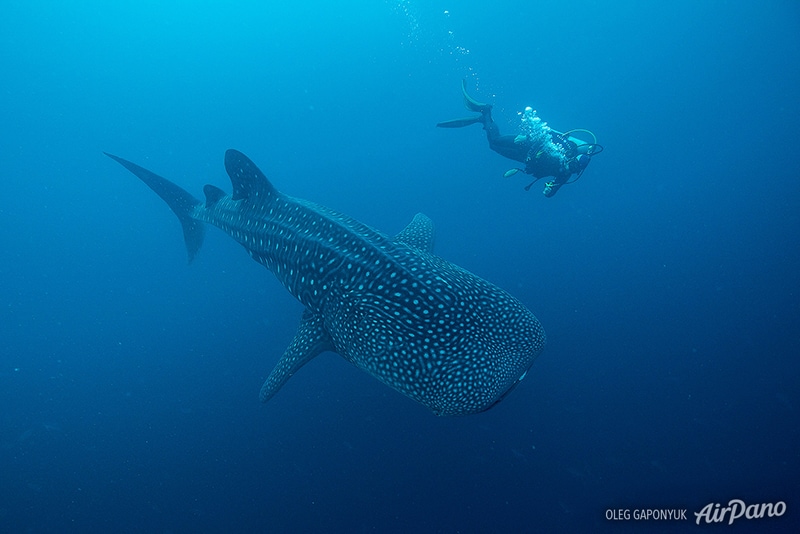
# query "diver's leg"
(492, 131)
(505, 145)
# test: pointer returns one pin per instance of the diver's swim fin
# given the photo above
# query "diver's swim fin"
(471, 103)
(460, 123)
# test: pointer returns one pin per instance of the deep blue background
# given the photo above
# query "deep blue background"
(666, 278)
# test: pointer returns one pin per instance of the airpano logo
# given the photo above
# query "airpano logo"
(712, 513)
(737, 509)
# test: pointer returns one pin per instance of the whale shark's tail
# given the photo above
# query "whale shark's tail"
(180, 201)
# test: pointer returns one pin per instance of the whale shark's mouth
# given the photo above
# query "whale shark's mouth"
(506, 392)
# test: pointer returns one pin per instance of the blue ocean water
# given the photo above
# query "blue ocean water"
(666, 277)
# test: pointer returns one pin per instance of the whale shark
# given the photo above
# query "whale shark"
(423, 326)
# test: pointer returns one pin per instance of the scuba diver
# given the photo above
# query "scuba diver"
(544, 151)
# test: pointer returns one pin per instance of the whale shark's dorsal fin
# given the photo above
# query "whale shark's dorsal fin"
(418, 234)
(247, 179)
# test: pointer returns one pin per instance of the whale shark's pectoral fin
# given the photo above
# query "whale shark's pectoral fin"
(418, 234)
(310, 340)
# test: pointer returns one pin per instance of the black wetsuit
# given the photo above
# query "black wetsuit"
(538, 163)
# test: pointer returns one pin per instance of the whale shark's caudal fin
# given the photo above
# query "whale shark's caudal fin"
(180, 201)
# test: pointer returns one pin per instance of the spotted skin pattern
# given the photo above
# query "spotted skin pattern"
(421, 325)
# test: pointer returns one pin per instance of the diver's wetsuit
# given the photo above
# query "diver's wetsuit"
(537, 162)
(503, 144)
